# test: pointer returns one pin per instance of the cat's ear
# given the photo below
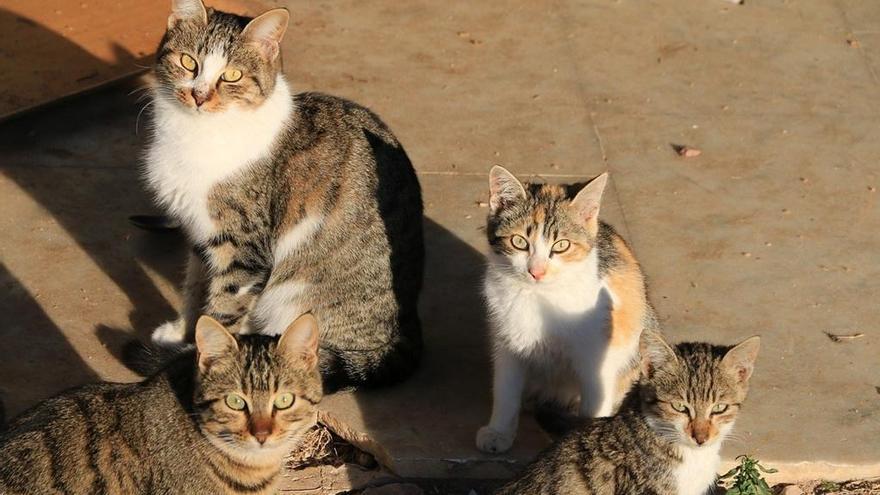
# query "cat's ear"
(300, 341)
(740, 359)
(585, 205)
(654, 352)
(187, 10)
(266, 30)
(504, 189)
(212, 342)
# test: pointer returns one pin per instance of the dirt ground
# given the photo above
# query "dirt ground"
(772, 229)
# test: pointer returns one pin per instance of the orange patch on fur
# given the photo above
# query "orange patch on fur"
(628, 285)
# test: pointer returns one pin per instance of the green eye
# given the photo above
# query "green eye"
(283, 401)
(561, 246)
(519, 242)
(235, 402)
(188, 63)
(679, 406)
(231, 75)
(719, 408)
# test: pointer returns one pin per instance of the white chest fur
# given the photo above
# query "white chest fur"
(698, 469)
(192, 152)
(529, 316)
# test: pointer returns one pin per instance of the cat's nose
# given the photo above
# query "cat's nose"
(701, 437)
(261, 435)
(537, 272)
(200, 98)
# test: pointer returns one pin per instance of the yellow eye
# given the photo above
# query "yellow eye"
(561, 246)
(283, 401)
(231, 75)
(188, 63)
(679, 406)
(235, 402)
(719, 408)
(519, 242)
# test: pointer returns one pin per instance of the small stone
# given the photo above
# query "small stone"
(768, 243)
(468, 216)
(791, 490)
(805, 180)
(746, 254)
(872, 189)
(694, 285)
(482, 204)
(853, 43)
(786, 211)
(464, 34)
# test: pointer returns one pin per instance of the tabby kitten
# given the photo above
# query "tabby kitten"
(666, 438)
(293, 203)
(566, 301)
(219, 420)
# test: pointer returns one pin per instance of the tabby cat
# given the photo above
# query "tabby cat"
(666, 438)
(293, 203)
(215, 421)
(567, 303)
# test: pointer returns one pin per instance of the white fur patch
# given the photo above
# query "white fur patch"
(698, 469)
(193, 151)
(297, 236)
(559, 328)
(278, 306)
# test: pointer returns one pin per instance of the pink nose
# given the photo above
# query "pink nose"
(200, 98)
(537, 272)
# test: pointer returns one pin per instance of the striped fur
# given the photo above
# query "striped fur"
(294, 204)
(169, 434)
(649, 448)
(567, 304)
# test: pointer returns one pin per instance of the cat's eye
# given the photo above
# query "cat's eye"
(719, 408)
(679, 406)
(188, 63)
(561, 246)
(519, 242)
(231, 75)
(235, 402)
(283, 401)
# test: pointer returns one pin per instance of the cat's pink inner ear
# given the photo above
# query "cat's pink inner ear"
(267, 30)
(187, 10)
(300, 340)
(213, 342)
(586, 203)
(740, 360)
(654, 352)
(504, 188)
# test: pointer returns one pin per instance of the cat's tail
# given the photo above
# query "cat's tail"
(390, 364)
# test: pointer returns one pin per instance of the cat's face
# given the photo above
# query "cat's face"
(538, 232)
(692, 394)
(210, 62)
(256, 395)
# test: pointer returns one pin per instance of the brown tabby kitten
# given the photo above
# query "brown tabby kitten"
(215, 421)
(293, 203)
(665, 440)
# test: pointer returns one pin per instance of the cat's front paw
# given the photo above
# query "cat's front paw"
(169, 334)
(493, 441)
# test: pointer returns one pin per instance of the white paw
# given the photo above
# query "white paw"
(170, 333)
(493, 441)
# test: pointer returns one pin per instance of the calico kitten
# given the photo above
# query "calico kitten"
(217, 420)
(666, 438)
(293, 203)
(566, 300)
